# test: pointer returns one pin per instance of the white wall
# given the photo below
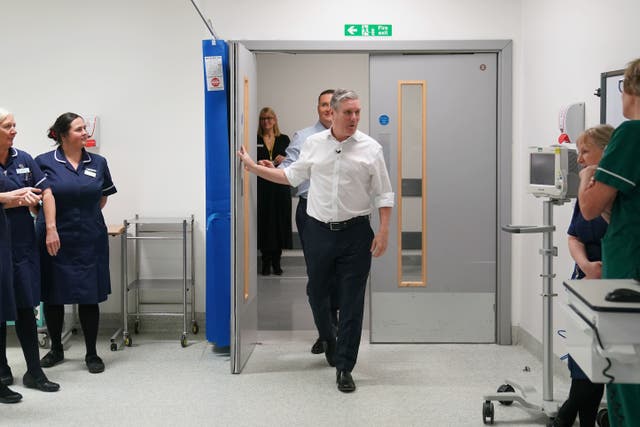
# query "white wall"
(136, 64)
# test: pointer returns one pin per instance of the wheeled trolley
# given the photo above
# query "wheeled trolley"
(145, 251)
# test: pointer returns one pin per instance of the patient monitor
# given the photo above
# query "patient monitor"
(553, 172)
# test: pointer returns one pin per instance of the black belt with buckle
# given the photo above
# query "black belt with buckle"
(343, 225)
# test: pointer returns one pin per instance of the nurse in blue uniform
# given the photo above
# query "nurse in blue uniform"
(7, 299)
(76, 272)
(21, 171)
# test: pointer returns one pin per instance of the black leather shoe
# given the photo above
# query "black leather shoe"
(52, 358)
(345, 382)
(317, 347)
(266, 270)
(41, 383)
(9, 396)
(94, 364)
(330, 352)
(6, 377)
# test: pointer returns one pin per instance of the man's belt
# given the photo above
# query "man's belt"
(343, 225)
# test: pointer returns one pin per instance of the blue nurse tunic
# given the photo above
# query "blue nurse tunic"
(7, 298)
(22, 171)
(79, 273)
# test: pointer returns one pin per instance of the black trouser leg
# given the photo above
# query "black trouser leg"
(3, 345)
(275, 261)
(266, 262)
(89, 318)
(352, 272)
(590, 395)
(27, 332)
(54, 316)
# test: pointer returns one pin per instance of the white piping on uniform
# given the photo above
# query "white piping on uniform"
(618, 176)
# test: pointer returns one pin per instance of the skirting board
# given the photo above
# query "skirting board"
(533, 346)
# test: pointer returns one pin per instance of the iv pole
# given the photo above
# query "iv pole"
(511, 391)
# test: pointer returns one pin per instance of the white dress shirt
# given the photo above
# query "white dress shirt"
(347, 177)
(293, 152)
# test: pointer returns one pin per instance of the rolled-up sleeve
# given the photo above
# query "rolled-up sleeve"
(382, 192)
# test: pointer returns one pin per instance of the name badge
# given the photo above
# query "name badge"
(23, 170)
(90, 172)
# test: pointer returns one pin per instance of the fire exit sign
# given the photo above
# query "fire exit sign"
(367, 30)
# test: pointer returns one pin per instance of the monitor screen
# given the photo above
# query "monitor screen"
(542, 169)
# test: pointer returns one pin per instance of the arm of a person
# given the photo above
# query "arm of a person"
(103, 202)
(52, 240)
(22, 197)
(270, 174)
(591, 269)
(381, 239)
(292, 152)
(596, 198)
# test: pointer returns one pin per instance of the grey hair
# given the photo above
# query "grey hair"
(598, 135)
(340, 95)
(3, 114)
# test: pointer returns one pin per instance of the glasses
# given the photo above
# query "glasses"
(267, 118)
(621, 85)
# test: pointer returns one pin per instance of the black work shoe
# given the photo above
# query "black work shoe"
(41, 383)
(6, 377)
(317, 347)
(94, 364)
(9, 396)
(330, 351)
(345, 382)
(52, 358)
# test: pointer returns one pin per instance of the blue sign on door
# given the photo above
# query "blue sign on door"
(383, 119)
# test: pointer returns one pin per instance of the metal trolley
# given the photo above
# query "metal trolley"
(141, 231)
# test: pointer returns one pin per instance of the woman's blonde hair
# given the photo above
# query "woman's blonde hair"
(276, 129)
(4, 114)
(631, 84)
(597, 135)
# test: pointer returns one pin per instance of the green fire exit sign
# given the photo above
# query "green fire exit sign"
(367, 30)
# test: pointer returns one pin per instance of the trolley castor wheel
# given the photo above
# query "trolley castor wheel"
(43, 341)
(194, 328)
(183, 340)
(114, 346)
(136, 327)
(506, 388)
(127, 341)
(487, 412)
(603, 418)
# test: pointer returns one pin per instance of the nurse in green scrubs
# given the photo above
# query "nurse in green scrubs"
(613, 191)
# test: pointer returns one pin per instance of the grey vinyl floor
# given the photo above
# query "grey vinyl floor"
(157, 383)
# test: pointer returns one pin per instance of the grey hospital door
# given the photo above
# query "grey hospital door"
(243, 128)
(435, 116)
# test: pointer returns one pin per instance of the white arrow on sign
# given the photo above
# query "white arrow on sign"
(352, 30)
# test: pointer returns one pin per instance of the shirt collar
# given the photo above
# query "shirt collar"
(59, 156)
(13, 152)
(357, 136)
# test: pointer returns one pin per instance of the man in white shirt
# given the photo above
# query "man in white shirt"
(347, 171)
(325, 118)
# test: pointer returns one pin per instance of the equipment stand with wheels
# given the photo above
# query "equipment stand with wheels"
(510, 391)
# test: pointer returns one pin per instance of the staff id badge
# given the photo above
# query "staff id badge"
(90, 172)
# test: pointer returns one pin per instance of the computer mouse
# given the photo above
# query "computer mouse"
(623, 295)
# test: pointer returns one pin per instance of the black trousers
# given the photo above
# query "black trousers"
(344, 255)
(301, 222)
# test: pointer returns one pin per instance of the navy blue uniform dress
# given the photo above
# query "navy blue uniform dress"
(79, 273)
(7, 298)
(22, 171)
(590, 233)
